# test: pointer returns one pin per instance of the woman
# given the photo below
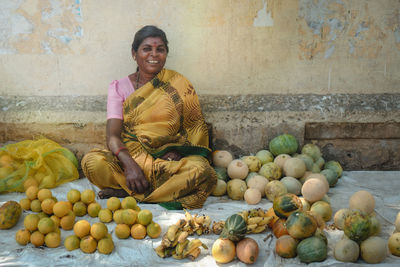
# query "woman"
(156, 134)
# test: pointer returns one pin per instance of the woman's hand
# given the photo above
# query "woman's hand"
(171, 155)
(135, 180)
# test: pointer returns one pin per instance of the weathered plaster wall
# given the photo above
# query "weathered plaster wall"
(260, 67)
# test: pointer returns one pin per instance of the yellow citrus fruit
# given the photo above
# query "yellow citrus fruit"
(117, 216)
(42, 215)
(72, 242)
(129, 203)
(25, 203)
(22, 236)
(30, 182)
(129, 216)
(105, 215)
(56, 220)
(80, 209)
(98, 230)
(46, 225)
(73, 196)
(122, 231)
(137, 208)
(88, 244)
(113, 203)
(48, 181)
(82, 228)
(153, 230)
(43, 194)
(88, 196)
(93, 209)
(36, 205)
(67, 222)
(32, 192)
(57, 230)
(144, 217)
(37, 239)
(52, 240)
(138, 231)
(61, 208)
(105, 246)
(31, 222)
(47, 205)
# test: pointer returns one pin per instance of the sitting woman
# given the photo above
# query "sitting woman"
(156, 134)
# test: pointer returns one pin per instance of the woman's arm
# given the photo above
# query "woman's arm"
(135, 179)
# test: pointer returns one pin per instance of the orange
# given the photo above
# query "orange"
(31, 222)
(37, 239)
(128, 216)
(67, 222)
(72, 242)
(122, 231)
(56, 220)
(138, 231)
(80, 209)
(30, 182)
(117, 216)
(43, 194)
(47, 205)
(153, 230)
(82, 228)
(129, 203)
(46, 225)
(113, 203)
(88, 196)
(105, 246)
(73, 196)
(25, 203)
(36, 205)
(98, 230)
(88, 244)
(32, 192)
(22, 236)
(61, 208)
(52, 240)
(93, 209)
(105, 215)
(144, 217)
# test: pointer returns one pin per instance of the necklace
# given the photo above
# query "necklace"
(137, 80)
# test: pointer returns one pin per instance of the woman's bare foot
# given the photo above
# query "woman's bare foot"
(111, 192)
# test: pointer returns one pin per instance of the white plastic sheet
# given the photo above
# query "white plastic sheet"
(385, 187)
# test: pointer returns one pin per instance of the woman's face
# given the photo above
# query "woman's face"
(151, 55)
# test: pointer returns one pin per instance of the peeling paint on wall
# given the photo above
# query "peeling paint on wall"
(39, 27)
(263, 18)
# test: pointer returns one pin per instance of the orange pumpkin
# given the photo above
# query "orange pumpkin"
(286, 246)
(279, 228)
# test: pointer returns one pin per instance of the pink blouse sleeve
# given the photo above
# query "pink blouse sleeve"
(114, 102)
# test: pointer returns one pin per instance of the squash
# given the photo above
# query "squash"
(285, 204)
(331, 176)
(236, 188)
(235, 228)
(346, 250)
(247, 250)
(10, 212)
(271, 171)
(308, 161)
(221, 158)
(357, 226)
(312, 249)
(306, 205)
(373, 249)
(321, 234)
(340, 217)
(394, 244)
(322, 208)
(237, 169)
(375, 228)
(286, 246)
(275, 188)
(223, 250)
(221, 173)
(252, 196)
(292, 185)
(281, 159)
(258, 182)
(313, 190)
(362, 200)
(270, 213)
(301, 225)
(253, 163)
(265, 156)
(283, 144)
(311, 150)
(294, 167)
(279, 228)
(220, 188)
(335, 166)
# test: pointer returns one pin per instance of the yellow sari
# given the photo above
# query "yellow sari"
(162, 115)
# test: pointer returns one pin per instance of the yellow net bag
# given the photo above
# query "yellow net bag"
(42, 160)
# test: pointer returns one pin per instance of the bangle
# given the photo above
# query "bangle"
(119, 150)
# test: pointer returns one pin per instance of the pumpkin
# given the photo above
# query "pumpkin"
(292, 185)
(279, 228)
(281, 159)
(270, 213)
(373, 249)
(346, 250)
(357, 226)
(220, 188)
(312, 249)
(294, 167)
(221, 173)
(221, 158)
(265, 156)
(322, 208)
(275, 188)
(311, 150)
(223, 250)
(253, 163)
(286, 246)
(235, 228)
(283, 144)
(247, 250)
(285, 204)
(394, 244)
(362, 200)
(335, 166)
(237, 169)
(9, 214)
(308, 161)
(330, 176)
(301, 224)
(271, 171)
(258, 182)
(236, 188)
(252, 196)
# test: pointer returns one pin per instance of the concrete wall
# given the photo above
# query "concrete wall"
(260, 67)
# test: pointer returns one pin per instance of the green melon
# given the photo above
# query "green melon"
(312, 249)
(335, 166)
(283, 144)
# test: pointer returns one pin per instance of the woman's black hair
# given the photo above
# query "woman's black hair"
(148, 31)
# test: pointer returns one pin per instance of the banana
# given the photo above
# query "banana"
(245, 215)
(199, 219)
(253, 213)
(259, 229)
(217, 227)
(181, 223)
(172, 229)
(193, 244)
(180, 247)
(183, 237)
(160, 251)
(176, 238)
(188, 216)
(194, 254)
(251, 227)
(265, 220)
(261, 212)
(254, 220)
(207, 221)
(199, 231)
